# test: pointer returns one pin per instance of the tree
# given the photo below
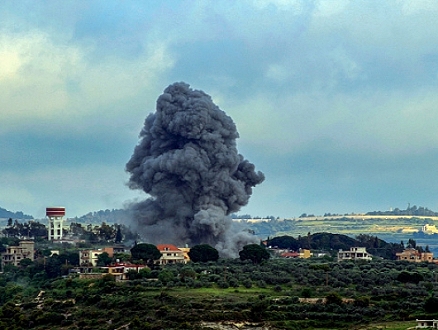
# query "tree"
(37, 229)
(255, 253)
(407, 277)
(203, 253)
(186, 272)
(284, 242)
(106, 232)
(431, 305)
(166, 276)
(119, 236)
(25, 262)
(362, 301)
(104, 259)
(333, 298)
(146, 252)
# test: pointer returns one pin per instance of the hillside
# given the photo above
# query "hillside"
(333, 242)
(5, 214)
(279, 294)
(392, 226)
(108, 216)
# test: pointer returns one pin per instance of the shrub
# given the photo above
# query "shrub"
(333, 298)
(362, 301)
(223, 284)
(431, 305)
(306, 292)
(247, 283)
(233, 282)
(277, 288)
(261, 284)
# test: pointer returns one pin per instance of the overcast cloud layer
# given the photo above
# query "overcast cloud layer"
(335, 101)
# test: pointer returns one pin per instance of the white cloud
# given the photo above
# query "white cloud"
(80, 189)
(293, 5)
(344, 65)
(33, 85)
(48, 82)
(278, 72)
(326, 8)
(410, 7)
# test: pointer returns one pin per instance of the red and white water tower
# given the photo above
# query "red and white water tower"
(56, 220)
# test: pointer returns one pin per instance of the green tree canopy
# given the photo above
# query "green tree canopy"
(255, 253)
(104, 259)
(333, 298)
(431, 305)
(285, 242)
(203, 253)
(146, 252)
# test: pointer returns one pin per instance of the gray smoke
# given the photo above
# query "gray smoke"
(187, 161)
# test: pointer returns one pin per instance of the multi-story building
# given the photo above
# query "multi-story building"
(90, 257)
(355, 253)
(14, 254)
(120, 270)
(186, 251)
(414, 255)
(170, 254)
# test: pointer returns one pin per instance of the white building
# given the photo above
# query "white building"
(170, 254)
(355, 253)
(429, 324)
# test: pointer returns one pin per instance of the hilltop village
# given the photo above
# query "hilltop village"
(107, 248)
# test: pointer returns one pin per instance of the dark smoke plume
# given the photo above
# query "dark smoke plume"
(187, 161)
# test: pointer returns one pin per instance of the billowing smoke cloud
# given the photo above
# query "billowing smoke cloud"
(187, 161)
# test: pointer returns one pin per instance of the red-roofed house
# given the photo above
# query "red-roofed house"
(303, 253)
(170, 254)
(290, 255)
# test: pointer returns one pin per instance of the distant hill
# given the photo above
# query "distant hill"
(108, 216)
(330, 242)
(410, 210)
(14, 215)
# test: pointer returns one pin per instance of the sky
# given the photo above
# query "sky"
(335, 101)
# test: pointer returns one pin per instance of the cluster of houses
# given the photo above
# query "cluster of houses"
(88, 258)
(172, 254)
(409, 254)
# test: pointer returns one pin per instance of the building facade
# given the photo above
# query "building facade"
(14, 254)
(302, 254)
(120, 270)
(413, 255)
(170, 254)
(90, 257)
(429, 324)
(355, 253)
